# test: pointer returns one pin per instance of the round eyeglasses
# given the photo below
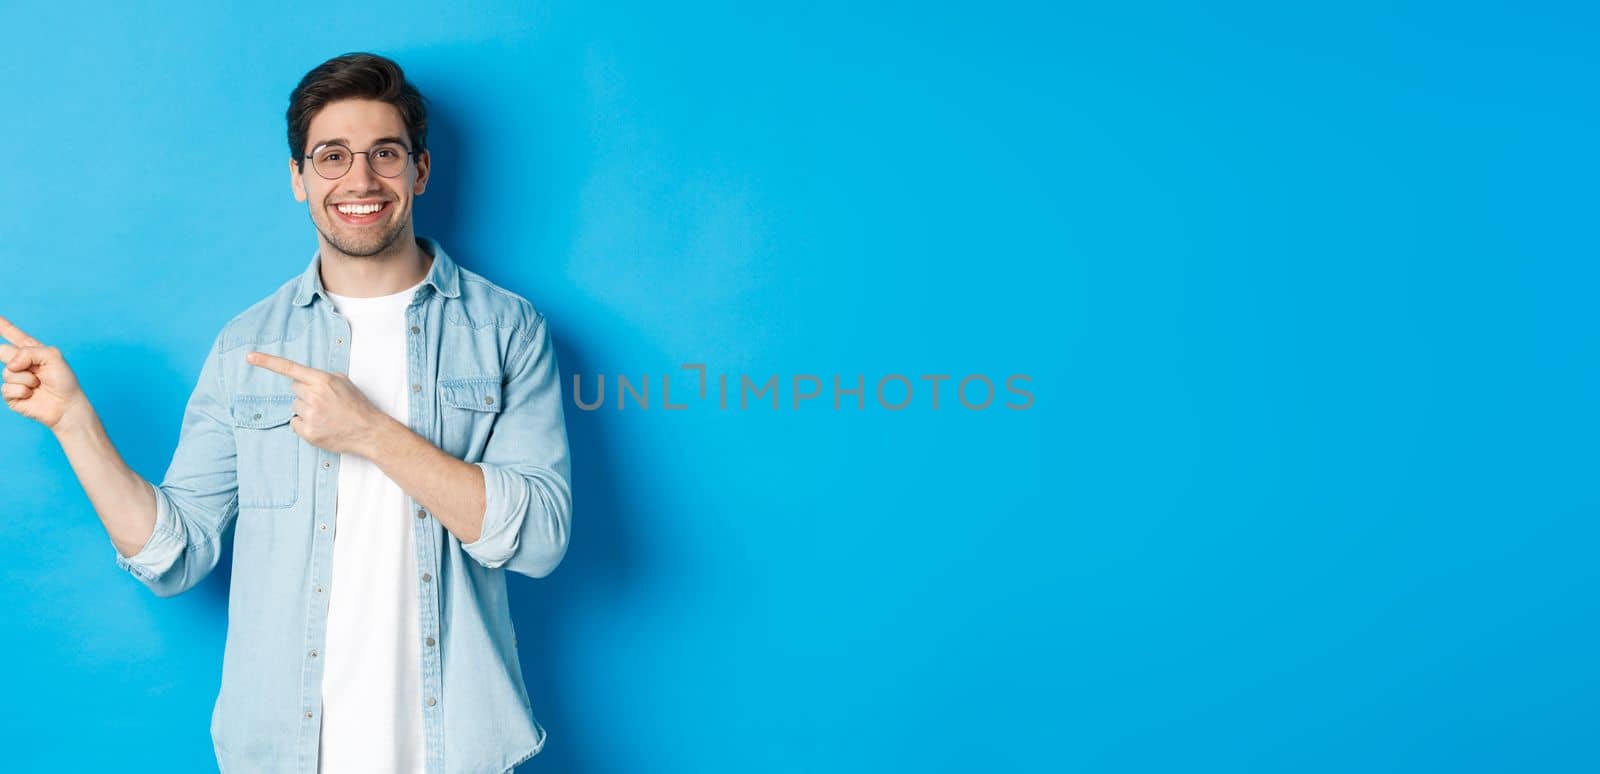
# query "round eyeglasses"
(333, 160)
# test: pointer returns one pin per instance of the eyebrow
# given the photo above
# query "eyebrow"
(346, 143)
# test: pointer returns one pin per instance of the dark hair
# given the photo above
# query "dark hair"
(356, 75)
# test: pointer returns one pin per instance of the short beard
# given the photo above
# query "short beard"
(353, 251)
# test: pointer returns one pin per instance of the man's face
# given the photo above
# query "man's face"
(359, 124)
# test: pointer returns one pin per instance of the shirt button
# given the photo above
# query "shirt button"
(313, 654)
(323, 526)
(429, 641)
(256, 417)
(427, 577)
(422, 514)
(319, 589)
(415, 329)
(430, 701)
(326, 464)
(338, 341)
(488, 400)
(416, 388)
(308, 713)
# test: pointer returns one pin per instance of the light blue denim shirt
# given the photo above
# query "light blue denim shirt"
(485, 388)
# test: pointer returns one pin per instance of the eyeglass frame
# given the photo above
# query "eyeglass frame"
(410, 156)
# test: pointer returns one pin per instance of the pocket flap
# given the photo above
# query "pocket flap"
(262, 411)
(478, 393)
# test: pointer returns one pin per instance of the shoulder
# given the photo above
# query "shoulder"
(272, 318)
(483, 303)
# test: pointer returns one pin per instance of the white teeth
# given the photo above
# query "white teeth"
(360, 209)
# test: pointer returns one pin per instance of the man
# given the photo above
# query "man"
(387, 429)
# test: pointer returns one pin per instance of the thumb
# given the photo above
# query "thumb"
(24, 359)
(34, 357)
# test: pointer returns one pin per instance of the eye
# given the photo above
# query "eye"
(332, 156)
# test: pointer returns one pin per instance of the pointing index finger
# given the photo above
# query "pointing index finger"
(15, 334)
(282, 365)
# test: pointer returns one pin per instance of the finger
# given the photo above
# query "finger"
(25, 358)
(21, 377)
(17, 391)
(298, 407)
(15, 334)
(281, 365)
(7, 352)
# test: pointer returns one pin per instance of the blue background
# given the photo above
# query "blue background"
(1306, 296)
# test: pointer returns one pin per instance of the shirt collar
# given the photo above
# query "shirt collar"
(443, 276)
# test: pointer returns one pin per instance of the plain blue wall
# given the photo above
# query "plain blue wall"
(1307, 300)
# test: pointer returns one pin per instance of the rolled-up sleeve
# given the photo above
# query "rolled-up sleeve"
(197, 498)
(161, 551)
(527, 480)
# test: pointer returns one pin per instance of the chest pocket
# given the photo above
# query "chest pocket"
(268, 449)
(467, 410)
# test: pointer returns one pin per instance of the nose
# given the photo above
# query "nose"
(360, 179)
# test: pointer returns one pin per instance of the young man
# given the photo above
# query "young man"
(387, 429)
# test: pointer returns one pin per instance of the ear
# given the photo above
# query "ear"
(424, 163)
(296, 182)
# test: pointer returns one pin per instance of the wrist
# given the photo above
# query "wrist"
(77, 420)
(380, 436)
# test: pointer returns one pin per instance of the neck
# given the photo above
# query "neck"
(398, 267)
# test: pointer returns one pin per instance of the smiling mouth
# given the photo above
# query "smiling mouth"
(360, 215)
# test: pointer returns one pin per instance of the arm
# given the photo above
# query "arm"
(450, 489)
(169, 536)
(513, 509)
(124, 501)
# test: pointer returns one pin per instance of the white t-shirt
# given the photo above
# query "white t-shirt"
(371, 683)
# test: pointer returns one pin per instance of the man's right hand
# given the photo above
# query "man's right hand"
(38, 382)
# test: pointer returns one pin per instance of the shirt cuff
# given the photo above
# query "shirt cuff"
(161, 550)
(505, 497)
